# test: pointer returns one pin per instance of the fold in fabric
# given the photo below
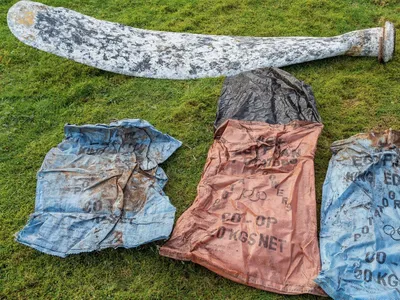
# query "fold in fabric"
(254, 217)
(102, 187)
(268, 95)
(360, 224)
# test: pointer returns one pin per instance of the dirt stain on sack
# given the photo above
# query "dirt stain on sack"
(135, 192)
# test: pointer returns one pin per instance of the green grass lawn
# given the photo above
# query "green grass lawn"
(40, 92)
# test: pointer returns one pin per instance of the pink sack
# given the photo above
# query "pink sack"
(254, 218)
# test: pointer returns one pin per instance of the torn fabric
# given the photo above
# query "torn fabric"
(268, 95)
(254, 217)
(102, 187)
(360, 219)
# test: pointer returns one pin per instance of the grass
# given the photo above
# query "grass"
(40, 92)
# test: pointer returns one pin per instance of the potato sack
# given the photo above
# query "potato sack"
(360, 218)
(102, 187)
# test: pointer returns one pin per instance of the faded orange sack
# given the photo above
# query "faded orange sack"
(254, 218)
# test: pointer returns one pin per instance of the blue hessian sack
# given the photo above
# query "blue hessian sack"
(360, 219)
(102, 187)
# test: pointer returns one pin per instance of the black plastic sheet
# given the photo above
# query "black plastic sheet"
(267, 95)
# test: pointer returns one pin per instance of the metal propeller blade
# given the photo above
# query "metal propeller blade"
(155, 54)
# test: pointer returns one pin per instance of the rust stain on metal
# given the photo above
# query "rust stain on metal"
(381, 50)
(26, 18)
(354, 51)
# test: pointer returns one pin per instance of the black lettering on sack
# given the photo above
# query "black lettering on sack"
(387, 177)
(391, 178)
(396, 179)
(285, 152)
(253, 195)
(236, 218)
(365, 230)
(101, 219)
(263, 241)
(225, 217)
(381, 278)
(243, 236)
(268, 162)
(93, 151)
(369, 176)
(381, 257)
(118, 237)
(360, 176)
(281, 244)
(92, 206)
(358, 273)
(384, 159)
(276, 163)
(367, 275)
(387, 157)
(233, 235)
(357, 161)
(393, 280)
(271, 220)
(369, 258)
(272, 243)
(350, 176)
(260, 221)
(246, 193)
(221, 232)
(251, 239)
(368, 159)
(85, 184)
(284, 162)
(97, 205)
(268, 242)
(296, 153)
(385, 202)
(356, 236)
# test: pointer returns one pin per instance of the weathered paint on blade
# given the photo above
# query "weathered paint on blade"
(155, 54)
